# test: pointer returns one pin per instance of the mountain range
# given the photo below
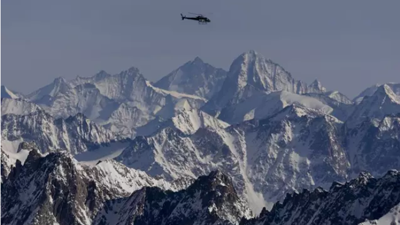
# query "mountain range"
(200, 146)
(56, 189)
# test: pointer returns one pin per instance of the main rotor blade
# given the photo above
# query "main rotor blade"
(204, 14)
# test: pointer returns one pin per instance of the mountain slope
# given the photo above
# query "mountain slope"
(6, 93)
(371, 90)
(252, 74)
(262, 105)
(194, 77)
(187, 119)
(339, 97)
(47, 191)
(121, 102)
(392, 217)
(283, 153)
(270, 133)
(18, 107)
(316, 87)
(74, 134)
(374, 145)
(211, 199)
(342, 107)
(350, 203)
(382, 103)
(371, 133)
(10, 159)
(7, 163)
(56, 189)
(59, 85)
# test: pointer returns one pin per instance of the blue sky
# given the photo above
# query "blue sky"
(347, 45)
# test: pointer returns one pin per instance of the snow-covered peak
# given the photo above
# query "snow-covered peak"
(101, 75)
(253, 69)
(183, 105)
(122, 86)
(195, 78)
(371, 90)
(386, 90)
(339, 97)
(197, 60)
(121, 102)
(6, 93)
(381, 103)
(59, 85)
(132, 73)
(18, 106)
(252, 74)
(74, 134)
(173, 93)
(251, 54)
(190, 120)
(316, 87)
(59, 81)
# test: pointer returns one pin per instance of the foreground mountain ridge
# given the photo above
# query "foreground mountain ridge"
(56, 189)
(359, 200)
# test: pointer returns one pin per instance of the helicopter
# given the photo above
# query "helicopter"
(202, 19)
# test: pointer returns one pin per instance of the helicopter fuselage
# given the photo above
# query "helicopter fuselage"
(201, 19)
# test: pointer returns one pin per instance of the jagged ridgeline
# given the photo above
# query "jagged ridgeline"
(56, 189)
(200, 146)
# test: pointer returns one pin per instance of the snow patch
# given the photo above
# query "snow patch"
(111, 151)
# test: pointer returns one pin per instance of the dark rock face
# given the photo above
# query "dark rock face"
(55, 189)
(6, 165)
(378, 148)
(45, 190)
(210, 199)
(364, 198)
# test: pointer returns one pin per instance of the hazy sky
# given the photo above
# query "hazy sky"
(347, 45)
